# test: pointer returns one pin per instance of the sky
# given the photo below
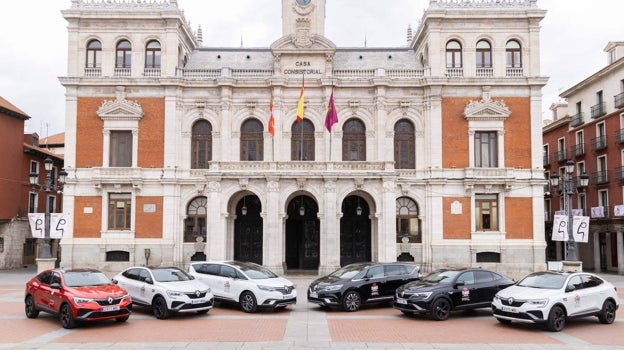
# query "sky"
(33, 43)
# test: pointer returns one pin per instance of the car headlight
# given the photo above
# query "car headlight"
(421, 295)
(538, 302)
(266, 288)
(174, 293)
(332, 288)
(78, 300)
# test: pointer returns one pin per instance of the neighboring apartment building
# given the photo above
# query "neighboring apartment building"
(173, 154)
(22, 156)
(591, 134)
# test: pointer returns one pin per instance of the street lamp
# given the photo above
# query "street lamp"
(46, 253)
(568, 190)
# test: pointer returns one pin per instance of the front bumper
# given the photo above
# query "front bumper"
(324, 299)
(277, 303)
(182, 306)
(518, 314)
(419, 307)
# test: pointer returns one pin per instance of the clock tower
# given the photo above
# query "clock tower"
(303, 17)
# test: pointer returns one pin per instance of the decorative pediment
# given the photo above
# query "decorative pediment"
(120, 108)
(303, 44)
(486, 109)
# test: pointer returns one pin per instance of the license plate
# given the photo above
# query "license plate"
(198, 301)
(288, 296)
(110, 308)
(401, 301)
(509, 309)
(313, 295)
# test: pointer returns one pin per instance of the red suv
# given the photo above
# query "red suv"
(75, 296)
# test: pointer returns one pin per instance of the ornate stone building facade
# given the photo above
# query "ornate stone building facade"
(436, 155)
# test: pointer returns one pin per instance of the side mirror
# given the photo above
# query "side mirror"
(55, 285)
(114, 281)
(148, 280)
(569, 288)
(460, 284)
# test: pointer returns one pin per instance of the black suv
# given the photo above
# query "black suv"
(444, 290)
(353, 285)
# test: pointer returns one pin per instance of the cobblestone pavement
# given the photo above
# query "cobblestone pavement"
(304, 326)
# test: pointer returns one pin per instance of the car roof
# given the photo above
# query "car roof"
(77, 270)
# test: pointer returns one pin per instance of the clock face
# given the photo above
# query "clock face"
(303, 2)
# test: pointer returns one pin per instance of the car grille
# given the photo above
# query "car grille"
(514, 303)
(109, 301)
(87, 313)
(197, 294)
(285, 289)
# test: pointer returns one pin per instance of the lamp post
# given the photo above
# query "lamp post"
(568, 190)
(46, 252)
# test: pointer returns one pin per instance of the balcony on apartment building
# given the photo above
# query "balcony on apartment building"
(598, 110)
(618, 100)
(577, 119)
(619, 174)
(560, 156)
(546, 161)
(577, 150)
(599, 143)
(600, 178)
(619, 136)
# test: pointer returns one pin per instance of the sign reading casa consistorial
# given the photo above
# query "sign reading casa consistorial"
(303, 155)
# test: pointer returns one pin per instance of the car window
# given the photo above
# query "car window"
(208, 269)
(543, 280)
(144, 275)
(576, 283)
(256, 272)
(375, 272)
(84, 278)
(56, 278)
(466, 277)
(484, 276)
(44, 277)
(170, 275)
(395, 270)
(348, 272)
(590, 281)
(227, 271)
(440, 276)
(132, 274)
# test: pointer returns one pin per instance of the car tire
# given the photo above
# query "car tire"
(556, 319)
(607, 314)
(159, 308)
(248, 302)
(66, 317)
(351, 301)
(30, 308)
(122, 319)
(441, 309)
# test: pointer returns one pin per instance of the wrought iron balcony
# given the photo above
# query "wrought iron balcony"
(618, 100)
(619, 136)
(619, 174)
(577, 150)
(560, 156)
(577, 119)
(599, 143)
(600, 178)
(546, 160)
(598, 110)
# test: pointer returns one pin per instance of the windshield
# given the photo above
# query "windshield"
(171, 275)
(85, 278)
(441, 276)
(257, 272)
(347, 272)
(543, 280)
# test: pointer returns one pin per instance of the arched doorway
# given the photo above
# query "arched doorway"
(355, 231)
(302, 234)
(248, 230)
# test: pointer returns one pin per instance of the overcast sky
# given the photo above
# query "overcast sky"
(33, 41)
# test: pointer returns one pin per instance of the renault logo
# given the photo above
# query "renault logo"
(510, 301)
(110, 300)
(197, 293)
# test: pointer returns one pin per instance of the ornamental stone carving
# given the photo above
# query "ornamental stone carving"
(486, 108)
(120, 108)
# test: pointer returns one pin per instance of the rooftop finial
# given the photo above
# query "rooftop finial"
(410, 34)
(200, 37)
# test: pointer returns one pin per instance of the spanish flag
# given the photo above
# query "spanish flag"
(271, 119)
(300, 103)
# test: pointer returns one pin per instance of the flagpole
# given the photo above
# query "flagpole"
(330, 134)
(301, 126)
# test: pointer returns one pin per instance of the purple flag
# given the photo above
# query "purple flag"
(332, 116)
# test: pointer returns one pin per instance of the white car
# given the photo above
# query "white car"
(551, 298)
(248, 284)
(166, 290)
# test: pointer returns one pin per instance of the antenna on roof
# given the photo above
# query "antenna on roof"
(241, 40)
(365, 40)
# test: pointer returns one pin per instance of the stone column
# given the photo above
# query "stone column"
(215, 232)
(273, 254)
(620, 252)
(329, 259)
(596, 238)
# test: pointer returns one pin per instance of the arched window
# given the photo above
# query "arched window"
(453, 54)
(94, 54)
(152, 54)
(404, 145)
(252, 141)
(302, 140)
(407, 221)
(514, 54)
(484, 54)
(196, 215)
(201, 145)
(123, 54)
(354, 140)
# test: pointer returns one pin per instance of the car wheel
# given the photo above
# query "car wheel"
(607, 314)
(503, 321)
(556, 319)
(159, 307)
(122, 319)
(441, 309)
(66, 317)
(29, 307)
(248, 302)
(351, 301)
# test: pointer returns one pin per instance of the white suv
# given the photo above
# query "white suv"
(166, 290)
(552, 297)
(250, 285)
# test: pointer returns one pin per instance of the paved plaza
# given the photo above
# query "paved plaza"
(304, 326)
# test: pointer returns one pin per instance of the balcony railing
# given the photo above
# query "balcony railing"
(485, 72)
(577, 150)
(560, 156)
(576, 119)
(514, 72)
(598, 110)
(454, 72)
(619, 174)
(122, 72)
(618, 100)
(151, 72)
(93, 72)
(619, 136)
(546, 160)
(600, 178)
(599, 143)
